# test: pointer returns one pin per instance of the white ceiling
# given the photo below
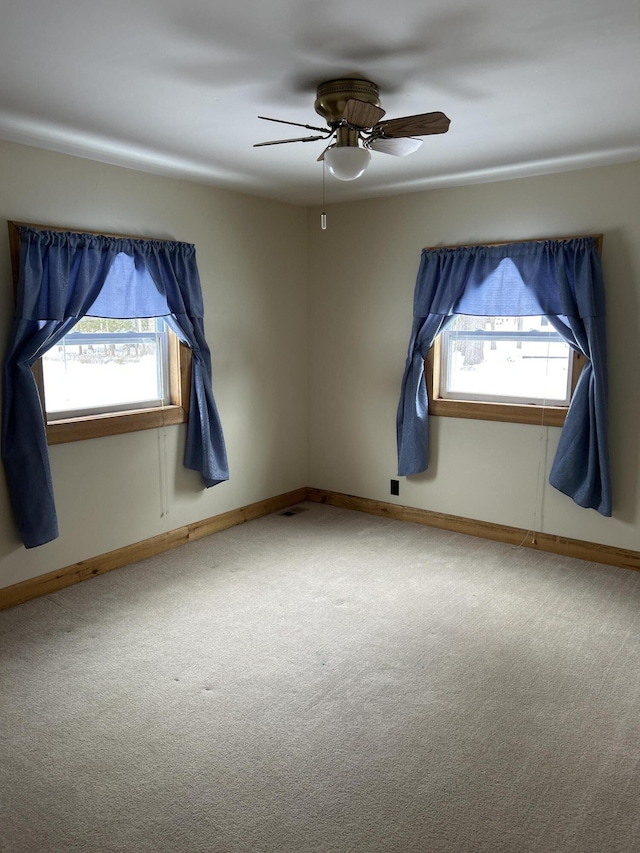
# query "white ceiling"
(175, 86)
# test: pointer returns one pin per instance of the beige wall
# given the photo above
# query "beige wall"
(327, 422)
(362, 273)
(252, 259)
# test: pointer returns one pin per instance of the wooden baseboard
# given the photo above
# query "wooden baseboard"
(45, 584)
(590, 551)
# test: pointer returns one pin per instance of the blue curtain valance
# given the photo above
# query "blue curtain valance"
(561, 279)
(64, 276)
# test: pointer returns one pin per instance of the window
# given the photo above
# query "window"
(119, 382)
(106, 365)
(504, 360)
(502, 368)
(516, 369)
(111, 376)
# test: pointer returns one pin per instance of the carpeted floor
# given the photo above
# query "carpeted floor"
(326, 682)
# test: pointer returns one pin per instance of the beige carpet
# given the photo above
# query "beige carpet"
(329, 682)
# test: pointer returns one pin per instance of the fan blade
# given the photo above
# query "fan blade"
(294, 123)
(361, 113)
(283, 141)
(397, 147)
(420, 125)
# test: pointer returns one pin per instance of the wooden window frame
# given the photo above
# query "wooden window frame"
(112, 423)
(506, 412)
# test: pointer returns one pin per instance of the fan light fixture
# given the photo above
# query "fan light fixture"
(355, 127)
(348, 162)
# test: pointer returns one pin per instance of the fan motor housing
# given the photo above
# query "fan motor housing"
(332, 96)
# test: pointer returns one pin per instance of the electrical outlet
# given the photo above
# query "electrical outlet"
(395, 487)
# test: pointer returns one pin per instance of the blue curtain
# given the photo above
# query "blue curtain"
(561, 279)
(65, 276)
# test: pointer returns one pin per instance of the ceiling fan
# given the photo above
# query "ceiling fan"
(351, 108)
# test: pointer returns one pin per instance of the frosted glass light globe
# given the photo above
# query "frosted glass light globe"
(346, 163)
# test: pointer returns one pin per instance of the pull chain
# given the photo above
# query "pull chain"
(323, 215)
(542, 458)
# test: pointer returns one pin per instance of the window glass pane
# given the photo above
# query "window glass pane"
(106, 365)
(505, 359)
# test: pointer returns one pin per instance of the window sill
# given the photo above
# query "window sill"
(98, 426)
(507, 412)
